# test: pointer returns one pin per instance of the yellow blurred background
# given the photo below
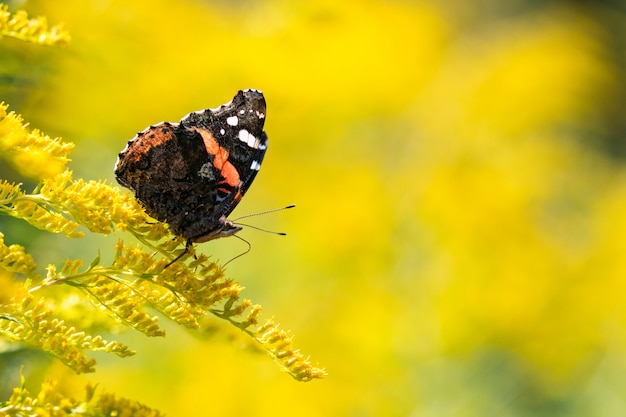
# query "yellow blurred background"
(458, 168)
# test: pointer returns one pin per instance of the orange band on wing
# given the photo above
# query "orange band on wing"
(220, 159)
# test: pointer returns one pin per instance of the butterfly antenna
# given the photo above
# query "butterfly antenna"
(265, 212)
(261, 229)
(242, 253)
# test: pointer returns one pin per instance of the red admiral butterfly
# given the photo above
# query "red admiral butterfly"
(193, 174)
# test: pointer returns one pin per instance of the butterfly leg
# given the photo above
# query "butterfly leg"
(188, 245)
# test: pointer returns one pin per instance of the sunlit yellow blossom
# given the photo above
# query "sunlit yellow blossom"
(122, 302)
(60, 204)
(8, 191)
(280, 347)
(14, 259)
(52, 401)
(39, 216)
(34, 30)
(34, 210)
(104, 206)
(29, 321)
(184, 293)
(31, 153)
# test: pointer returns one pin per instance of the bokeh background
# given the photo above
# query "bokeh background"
(459, 173)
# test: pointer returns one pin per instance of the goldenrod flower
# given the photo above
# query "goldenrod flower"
(52, 401)
(29, 321)
(35, 30)
(14, 259)
(31, 153)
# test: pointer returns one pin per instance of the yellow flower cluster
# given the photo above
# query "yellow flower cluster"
(31, 153)
(124, 301)
(14, 259)
(279, 345)
(35, 210)
(34, 30)
(185, 292)
(61, 205)
(110, 405)
(207, 288)
(29, 321)
(275, 341)
(93, 204)
(51, 402)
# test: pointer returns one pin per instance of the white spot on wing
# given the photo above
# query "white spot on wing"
(222, 131)
(232, 121)
(255, 166)
(248, 139)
